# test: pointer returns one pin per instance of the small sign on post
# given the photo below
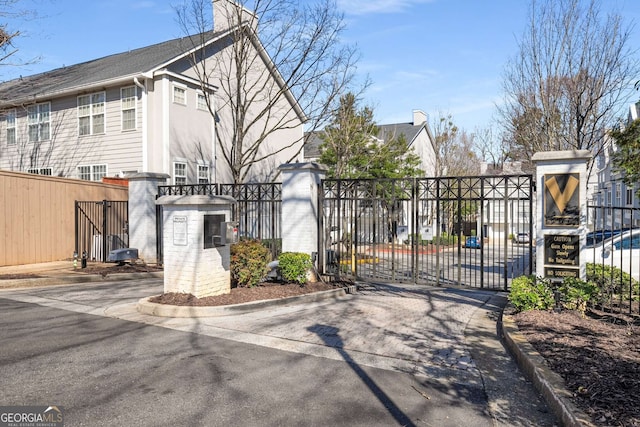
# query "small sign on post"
(180, 231)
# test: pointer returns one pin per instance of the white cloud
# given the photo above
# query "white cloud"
(362, 7)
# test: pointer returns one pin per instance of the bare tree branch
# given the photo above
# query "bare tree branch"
(274, 49)
(570, 79)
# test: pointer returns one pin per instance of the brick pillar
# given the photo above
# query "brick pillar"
(196, 251)
(143, 188)
(300, 184)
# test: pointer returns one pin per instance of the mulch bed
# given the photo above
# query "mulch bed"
(263, 291)
(106, 269)
(597, 355)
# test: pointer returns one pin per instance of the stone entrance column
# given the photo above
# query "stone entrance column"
(300, 183)
(561, 213)
(143, 188)
(196, 234)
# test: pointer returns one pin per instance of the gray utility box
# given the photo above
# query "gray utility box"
(122, 255)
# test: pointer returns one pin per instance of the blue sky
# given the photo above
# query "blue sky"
(432, 55)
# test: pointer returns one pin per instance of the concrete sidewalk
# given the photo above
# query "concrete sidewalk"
(445, 335)
(59, 273)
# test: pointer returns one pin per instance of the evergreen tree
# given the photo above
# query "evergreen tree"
(353, 147)
(627, 158)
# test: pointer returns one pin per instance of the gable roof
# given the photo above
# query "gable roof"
(121, 67)
(410, 131)
(109, 69)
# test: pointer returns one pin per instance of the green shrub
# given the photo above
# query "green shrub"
(445, 239)
(249, 259)
(576, 294)
(531, 293)
(611, 281)
(294, 266)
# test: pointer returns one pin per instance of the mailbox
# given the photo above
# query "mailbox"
(218, 232)
(231, 232)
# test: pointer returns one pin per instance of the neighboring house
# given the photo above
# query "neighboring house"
(611, 190)
(509, 206)
(416, 133)
(418, 137)
(143, 110)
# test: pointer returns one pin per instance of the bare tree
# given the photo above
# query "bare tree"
(490, 146)
(10, 16)
(570, 79)
(275, 49)
(455, 151)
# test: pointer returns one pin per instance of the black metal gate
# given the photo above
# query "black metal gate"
(101, 226)
(472, 231)
(258, 209)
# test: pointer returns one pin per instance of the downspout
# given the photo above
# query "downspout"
(145, 113)
(214, 140)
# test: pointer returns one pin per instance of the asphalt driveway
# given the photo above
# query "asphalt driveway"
(385, 356)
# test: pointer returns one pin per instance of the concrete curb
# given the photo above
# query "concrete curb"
(549, 384)
(144, 306)
(72, 279)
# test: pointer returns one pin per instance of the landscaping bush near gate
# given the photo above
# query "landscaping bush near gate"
(249, 259)
(576, 294)
(294, 266)
(612, 281)
(445, 239)
(603, 282)
(531, 293)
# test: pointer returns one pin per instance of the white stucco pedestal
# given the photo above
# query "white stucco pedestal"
(196, 252)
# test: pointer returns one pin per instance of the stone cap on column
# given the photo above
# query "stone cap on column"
(561, 156)
(313, 166)
(148, 176)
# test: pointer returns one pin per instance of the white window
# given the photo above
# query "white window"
(11, 127)
(629, 198)
(618, 194)
(202, 102)
(203, 174)
(40, 171)
(128, 105)
(180, 95)
(179, 173)
(91, 114)
(38, 117)
(92, 172)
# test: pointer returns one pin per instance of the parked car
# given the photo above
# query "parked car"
(622, 251)
(522, 238)
(598, 236)
(472, 242)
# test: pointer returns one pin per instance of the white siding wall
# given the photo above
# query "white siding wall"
(65, 150)
(290, 134)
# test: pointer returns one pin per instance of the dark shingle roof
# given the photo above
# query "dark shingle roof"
(131, 63)
(410, 131)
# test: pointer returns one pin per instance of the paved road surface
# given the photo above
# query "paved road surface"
(389, 355)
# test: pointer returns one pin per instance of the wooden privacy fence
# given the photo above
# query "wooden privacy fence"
(37, 218)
